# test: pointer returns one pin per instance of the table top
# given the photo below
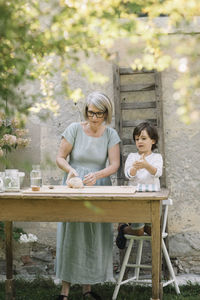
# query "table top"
(90, 204)
(90, 193)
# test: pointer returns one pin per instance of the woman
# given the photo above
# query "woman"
(84, 250)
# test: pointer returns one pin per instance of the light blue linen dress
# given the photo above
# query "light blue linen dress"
(84, 250)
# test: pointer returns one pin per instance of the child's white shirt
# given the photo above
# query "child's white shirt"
(143, 176)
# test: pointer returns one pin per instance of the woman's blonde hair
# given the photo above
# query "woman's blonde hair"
(101, 102)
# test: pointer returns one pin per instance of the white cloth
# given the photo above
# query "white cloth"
(141, 187)
(143, 176)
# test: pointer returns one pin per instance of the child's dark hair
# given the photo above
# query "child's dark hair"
(151, 130)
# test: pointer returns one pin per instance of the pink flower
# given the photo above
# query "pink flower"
(9, 139)
(15, 123)
(21, 132)
(23, 142)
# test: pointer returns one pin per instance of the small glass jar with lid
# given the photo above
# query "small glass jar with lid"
(12, 180)
(2, 187)
(36, 178)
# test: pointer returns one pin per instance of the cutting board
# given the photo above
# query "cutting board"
(59, 189)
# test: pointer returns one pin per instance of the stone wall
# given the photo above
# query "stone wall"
(182, 144)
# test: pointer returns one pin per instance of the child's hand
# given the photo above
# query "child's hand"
(140, 164)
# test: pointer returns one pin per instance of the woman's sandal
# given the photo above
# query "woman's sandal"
(62, 297)
(91, 295)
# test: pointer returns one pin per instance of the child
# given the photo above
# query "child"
(143, 167)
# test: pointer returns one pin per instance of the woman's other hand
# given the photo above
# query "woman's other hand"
(90, 179)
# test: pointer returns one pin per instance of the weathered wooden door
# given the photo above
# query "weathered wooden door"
(138, 98)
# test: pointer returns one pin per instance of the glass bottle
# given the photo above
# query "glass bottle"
(36, 178)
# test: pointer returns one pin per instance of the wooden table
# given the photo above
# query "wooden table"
(90, 204)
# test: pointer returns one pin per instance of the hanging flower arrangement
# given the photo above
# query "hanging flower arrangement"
(12, 135)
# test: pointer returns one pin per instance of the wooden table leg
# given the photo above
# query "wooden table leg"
(156, 250)
(161, 259)
(9, 287)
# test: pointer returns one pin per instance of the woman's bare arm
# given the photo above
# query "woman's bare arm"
(63, 152)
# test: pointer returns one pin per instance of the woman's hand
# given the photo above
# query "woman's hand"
(72, 173)
(90, 179)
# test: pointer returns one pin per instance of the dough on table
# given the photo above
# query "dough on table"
(75, 183)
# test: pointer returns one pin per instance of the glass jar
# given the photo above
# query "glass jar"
(36, 178)
(12, 180)
(2, 187)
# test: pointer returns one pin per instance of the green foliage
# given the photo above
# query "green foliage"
(16, 232)
(2, 234)
(42, 289)
(42, 38)
(14, 55)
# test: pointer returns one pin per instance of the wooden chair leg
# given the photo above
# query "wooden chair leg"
(171, 271)
(138, 258)
(123, 268)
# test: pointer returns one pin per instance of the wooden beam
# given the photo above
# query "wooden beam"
(127, 71)
(116, 96)
(128, 141)
(118, 114)
(138, 105)
(135, 123)
(137, 87)
(159, 112)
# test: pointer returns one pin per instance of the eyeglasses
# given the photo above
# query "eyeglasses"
(98, 114)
